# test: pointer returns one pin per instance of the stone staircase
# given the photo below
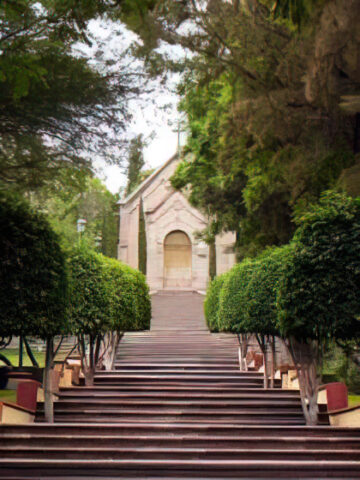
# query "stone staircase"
(177, 406)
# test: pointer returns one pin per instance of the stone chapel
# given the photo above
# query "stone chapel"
(175, 258)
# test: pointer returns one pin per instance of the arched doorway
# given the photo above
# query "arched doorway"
(177, 260)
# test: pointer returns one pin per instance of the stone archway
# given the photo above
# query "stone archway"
(177, 260)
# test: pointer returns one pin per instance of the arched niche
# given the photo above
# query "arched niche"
(177, 260)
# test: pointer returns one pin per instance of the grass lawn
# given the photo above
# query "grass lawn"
(13, 355)
(8, 395)
(354, 400)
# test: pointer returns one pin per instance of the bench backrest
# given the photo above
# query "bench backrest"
(26, 394)
(337, 396)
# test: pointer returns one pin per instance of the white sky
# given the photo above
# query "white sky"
(151, 122)
(158, 125)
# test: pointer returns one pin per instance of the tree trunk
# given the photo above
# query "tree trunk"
(90, 370)
(273, 361)
(89, 376)
(108, 358)
(305, 356)
(21, 351)
(29, 353)
(212, 259)
(87, 364)
(5, 360)
(262, 344)
(47, 383)
(243, 342)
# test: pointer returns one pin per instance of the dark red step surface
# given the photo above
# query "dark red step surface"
(177, 406)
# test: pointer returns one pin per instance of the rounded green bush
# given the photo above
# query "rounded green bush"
(90, 293)
(106, 295)
(211, 304)
(259, 301)
(33, 278)
(131, 304)
(319, 295)
(232, 301)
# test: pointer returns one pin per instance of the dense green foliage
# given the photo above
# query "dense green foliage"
(59, 107)
(307, 292)
(308, 289)
(142, 301)
(233, 297)
(90, 293)
(260, 301)
(32, 273)
(142, 256)
(212, 301)
(81, 196)
(319, 293)
(136, 163)
(106, 295)
(130, 301)
(265, 136)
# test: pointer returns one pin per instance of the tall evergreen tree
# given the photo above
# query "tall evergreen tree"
(136, 163)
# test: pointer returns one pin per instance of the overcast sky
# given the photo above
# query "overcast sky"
(149, 115)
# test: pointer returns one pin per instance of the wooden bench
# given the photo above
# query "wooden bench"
(335, 397)
(23, 411)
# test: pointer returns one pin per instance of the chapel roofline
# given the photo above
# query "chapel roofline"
(147, 181)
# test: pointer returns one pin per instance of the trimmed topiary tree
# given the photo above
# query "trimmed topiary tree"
(212, 301)
(142, 301)
(318, 297)
(130, 306)
(231, 304)
(33, 294)
(90, 305)
(260, 312)
(107, 299)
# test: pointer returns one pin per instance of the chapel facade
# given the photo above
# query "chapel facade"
(175, 258)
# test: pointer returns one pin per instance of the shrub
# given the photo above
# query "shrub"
(107, 299)
(33, 294)
(33, 278)
(260, 311)
(318, 297)
(90, 297)
(131, 305)
(90, 305)
(142, 301)
(212, 300)
(233, 297)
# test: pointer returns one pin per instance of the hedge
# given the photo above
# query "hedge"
(212, 302)
(91, 293)
(232, 297)
(319, 296)
(33, 295)
(259, 299)
(131, 305)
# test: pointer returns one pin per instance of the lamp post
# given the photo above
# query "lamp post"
(80, 227)
(98, 240)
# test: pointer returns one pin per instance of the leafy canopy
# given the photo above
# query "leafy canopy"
(33, 273)
(319, 293)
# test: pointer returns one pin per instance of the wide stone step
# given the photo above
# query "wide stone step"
(220, 406)
(174, 396)
(169, 366)
(176, 453)
(207, 402)
(162, 415)
(84, 440)
(143, 468)
(201, 429)
(161, 389)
